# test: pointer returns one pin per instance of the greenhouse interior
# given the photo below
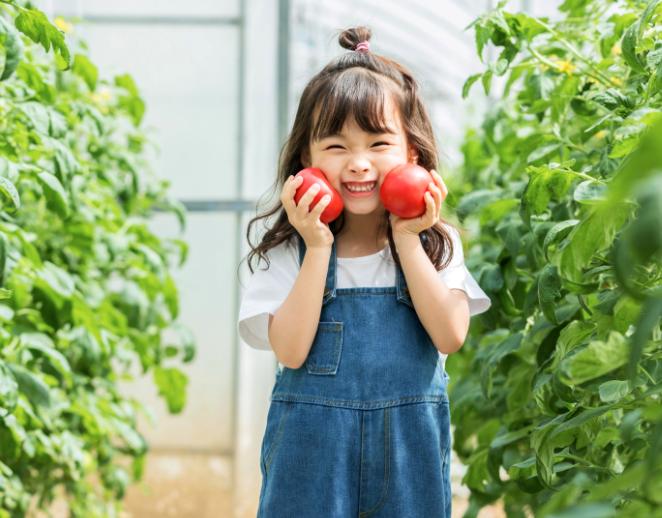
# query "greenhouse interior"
(149, 368)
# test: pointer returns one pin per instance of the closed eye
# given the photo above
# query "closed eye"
(375, 144)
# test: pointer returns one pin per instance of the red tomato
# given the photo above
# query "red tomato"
(312, 175)
(403, 190)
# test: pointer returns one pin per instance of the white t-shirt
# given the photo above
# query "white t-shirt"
(267, 289)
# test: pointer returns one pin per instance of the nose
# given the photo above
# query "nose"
(359, 165)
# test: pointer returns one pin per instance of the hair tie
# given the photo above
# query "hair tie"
(364, 47)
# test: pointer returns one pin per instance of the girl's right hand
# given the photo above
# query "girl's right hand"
(314, 233)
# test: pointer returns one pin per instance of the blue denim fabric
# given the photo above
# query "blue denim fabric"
(363, 427)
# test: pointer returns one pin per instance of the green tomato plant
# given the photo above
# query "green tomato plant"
(556, 394)
(86, 293)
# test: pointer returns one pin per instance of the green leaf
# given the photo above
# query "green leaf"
(587, 510)
(590, 236)
(132, 103)
(510, 437)
(549, 292)
(613, 390)
(3, 259)
(32, 386)
(172, 386)
(596, 359)
(37, 114)
(8, 390)
(482, 36)
(555, 234)
(590, 192)
(644, 162)
(651, 312)
(469, 83)
(573, 335)
(43, 344)
(475, 200)
(632, 36)
(35, 25)
(55, 280)
(56, 196)
(486, 79)
(131, 437)
(497, 210)
(84, 68)
(543, 183)
(11, 49)
(9, 194)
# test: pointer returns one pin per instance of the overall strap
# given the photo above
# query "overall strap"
(401, 287)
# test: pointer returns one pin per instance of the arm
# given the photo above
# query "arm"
(444, 312)
(293, 327)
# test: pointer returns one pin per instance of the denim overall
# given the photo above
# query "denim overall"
(362, 428)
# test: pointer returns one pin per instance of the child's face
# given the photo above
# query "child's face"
(357, 157)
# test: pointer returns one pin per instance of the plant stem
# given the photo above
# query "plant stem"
(574, 51)
(648, 375)
(553, 65)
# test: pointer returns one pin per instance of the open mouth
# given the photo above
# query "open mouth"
(359, 189)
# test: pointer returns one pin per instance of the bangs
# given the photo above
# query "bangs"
(354, 94)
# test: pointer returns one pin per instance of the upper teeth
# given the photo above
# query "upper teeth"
(360, 188)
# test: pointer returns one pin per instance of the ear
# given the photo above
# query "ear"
(412, 153)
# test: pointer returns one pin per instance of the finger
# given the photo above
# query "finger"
(287, 195)
(293, 185)
(431, 207)
(438, 199)
(434, 191)
(438, 196)
(319, 208)
(304, 203)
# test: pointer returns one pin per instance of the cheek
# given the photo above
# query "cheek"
(331, 169)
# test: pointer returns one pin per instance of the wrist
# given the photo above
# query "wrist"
(407, 243)
(406, 240)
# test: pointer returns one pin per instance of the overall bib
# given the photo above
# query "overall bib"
(362, 428)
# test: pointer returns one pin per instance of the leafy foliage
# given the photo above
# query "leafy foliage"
(86, 295)
(556, 395)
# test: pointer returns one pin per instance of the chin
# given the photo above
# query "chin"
(363, 211)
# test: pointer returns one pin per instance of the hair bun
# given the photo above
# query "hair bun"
(350, 38)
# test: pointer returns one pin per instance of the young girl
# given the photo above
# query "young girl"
(360, 313)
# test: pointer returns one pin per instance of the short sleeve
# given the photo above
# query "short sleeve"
(265, 291)
(457, 276)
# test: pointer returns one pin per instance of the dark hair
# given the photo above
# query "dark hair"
(354, 85)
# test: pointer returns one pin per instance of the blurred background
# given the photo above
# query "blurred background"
(221, 80)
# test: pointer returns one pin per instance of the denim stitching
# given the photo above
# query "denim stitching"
(387, 466)
(359, 405)
(362, 470)
(443, 476)
(277, 438)
(337, 329)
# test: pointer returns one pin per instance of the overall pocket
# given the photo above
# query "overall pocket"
(324, 355)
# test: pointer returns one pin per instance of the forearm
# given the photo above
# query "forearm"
(440, 309)
(294, 325)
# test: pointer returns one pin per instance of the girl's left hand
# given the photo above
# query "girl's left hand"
(434, 196)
